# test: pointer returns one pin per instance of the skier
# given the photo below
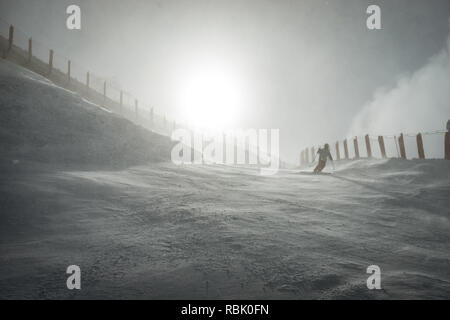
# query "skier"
(324, 154)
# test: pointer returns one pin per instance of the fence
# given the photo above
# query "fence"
(17, 47)
(431, 145)
(69, 74)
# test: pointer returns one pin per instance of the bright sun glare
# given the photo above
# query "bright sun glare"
(210, 98)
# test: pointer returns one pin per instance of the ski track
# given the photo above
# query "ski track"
(167, 232)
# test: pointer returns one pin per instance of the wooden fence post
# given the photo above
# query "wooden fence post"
(369, 149)
(401, 143)
(447, 146)
(447, 142)
(87, 80)
(382, 147)
(30, 49)
(420, 146)
(313, 154)
(50, 61)
(11, 37)
(68, 70)
(355, 143)
(338, 154)
(346, 150)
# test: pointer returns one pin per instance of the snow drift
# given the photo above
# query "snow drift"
(214, 232)
(41, 122)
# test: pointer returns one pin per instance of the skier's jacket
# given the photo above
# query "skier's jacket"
(324, 154)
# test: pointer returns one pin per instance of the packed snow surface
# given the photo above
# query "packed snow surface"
(161, 231)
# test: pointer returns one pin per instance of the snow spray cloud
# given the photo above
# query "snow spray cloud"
(232, 147)
(420, 101)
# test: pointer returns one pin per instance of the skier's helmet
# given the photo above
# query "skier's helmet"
(327, 146)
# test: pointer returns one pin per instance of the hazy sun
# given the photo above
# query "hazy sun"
(210, 97)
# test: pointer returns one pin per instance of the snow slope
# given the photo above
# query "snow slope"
(45, 123)
(163, 231)
(158, 231)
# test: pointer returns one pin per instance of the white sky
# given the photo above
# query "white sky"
(305, 67)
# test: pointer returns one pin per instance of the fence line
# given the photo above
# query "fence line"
(402, 146)
(70, 74)
(32, 54)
